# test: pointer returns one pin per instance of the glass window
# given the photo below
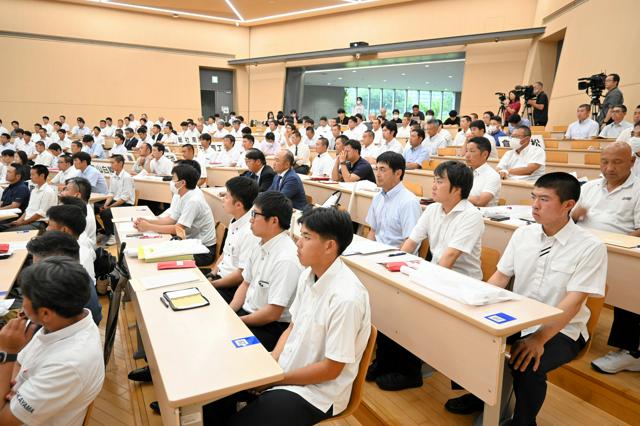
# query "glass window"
(448, 103)
(436, 104)
(374, 101)
(349, 99)
(413, 97)
(401, 101)
(425, 100)
(387, 100)
(363, 92)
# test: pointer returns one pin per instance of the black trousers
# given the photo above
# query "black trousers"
(393, 358)
(530, 387)
(625, 331)
(273, 408)
(267, 334)
(302, 170)
(205, 259)
(35, 226)
(227, 293)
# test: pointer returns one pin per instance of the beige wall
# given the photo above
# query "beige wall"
(43, 77)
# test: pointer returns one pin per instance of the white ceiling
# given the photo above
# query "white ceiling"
(440, 75)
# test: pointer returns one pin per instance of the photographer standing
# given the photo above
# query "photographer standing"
(540, 105)
(613, 97)
(511, 106)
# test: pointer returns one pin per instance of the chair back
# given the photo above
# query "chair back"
(413, 187)
(358, 383)
(488, 262)
(221, 228)
(537, 129)
(137, 195)
(448, 151)
(592, 158)
(557, 157)
(595, 305)
(87, 416)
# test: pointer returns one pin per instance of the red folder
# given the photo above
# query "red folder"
(394, 266)
(177, 264)
(4, 248)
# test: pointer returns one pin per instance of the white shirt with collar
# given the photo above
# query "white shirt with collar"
(446, 135)
(369, 151)
(353, 134)
(377, 136)
(208, 154)
(547, 268)
(403, 132)
(42, 198)
(238, 246)
(615, 211)
(65, 126)
(322, 165)
(614, 129)
(228, 158)
(584, 129)
(432, 143)
(28, 148)
(310, 142)
(301, 154)
(61, 177)
(460, 139)
(60, 374)
(272, 271)
(324, 131)
(332, 318)
(162, 166)
(192, 211)
(121, 187)
(8, 145)
(45, 158)
(89, 234)
(461, 229)
(393, 145)
(118, 149)
(80, 131)
(108, 131)
(625, 136)
(269, 148)
(220, 133)
(531, 154)
(486, 179)
(143, 141)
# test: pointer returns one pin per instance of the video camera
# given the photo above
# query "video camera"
(593, 86)
(501, 96)
(526, 91)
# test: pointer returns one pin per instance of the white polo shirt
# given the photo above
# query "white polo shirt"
(192, 211)
(393, 145)
(162, 167)
(42, 198)
(625, 135)
(228, 158)
(118, 149)
(614, 129)
(332, 319)
(61, 373)
(432, 143)
(272, 272)
(615, 211)
(584, 129)
(460, 229)
(90, 230)
(547, 268)
(61, 177)
(301, 153)
(45, 158)
(460, 139)
(369, 151)
(531, 154)
(121, 187)
(238, 246)
(220, 133)
(403, 132)
(485, 179)
(322, 165)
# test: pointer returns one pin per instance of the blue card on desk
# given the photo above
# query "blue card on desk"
(500, 318)
(245, 341)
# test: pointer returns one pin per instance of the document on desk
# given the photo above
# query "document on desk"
(169, 278)
(366, 246)
(17, 245)
(459, 287)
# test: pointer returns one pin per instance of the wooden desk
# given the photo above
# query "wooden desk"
(152, 190)
(11, 267)
(320, 192)
(567, 144)
(212, 195)
(128, 165)
(218, 176)
(455, 339)
(590, 171)
(190, 353)
(5, 216)
(622, 270)
(96, 197)
(131, 212)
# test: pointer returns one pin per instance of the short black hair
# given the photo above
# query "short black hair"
(192, 163)
(83, 185)
(246, 131)
(189, 147)
(73, 201)
(205, 137)
(54, 243)
(459, 175)
(249, 137)
(330, 224)
(270, 136)
(354, 144)
(187, 173)
(514, 118)
(276, 204)
(66, 158)
(255, 154)
(478, 124)
(55, 147)
(8, 153)
(565, 185)
(391, 126)
(419, 132)
(324, 142)
(82, 156)
(87, 138)
(120, 136)
(230, 137)
(41, 170)
(159, 147)
(142, 130)
(73, 217)
(119, 158)
(289, 158)
(394, 160)
(58, 283)
(243, 189)
(615, 77)
(341, 111)
(483, 144)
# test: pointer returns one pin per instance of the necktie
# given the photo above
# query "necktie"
(280, 182)
(254, 176)
(296, 150)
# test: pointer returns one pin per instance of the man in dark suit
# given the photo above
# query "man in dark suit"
(259, 170)
(131, 141)
(287, 181)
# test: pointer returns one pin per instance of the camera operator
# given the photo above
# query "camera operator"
(612, 98)
(540, 105)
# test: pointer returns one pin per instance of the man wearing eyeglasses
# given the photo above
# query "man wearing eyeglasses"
(613, 130)
(614, 97)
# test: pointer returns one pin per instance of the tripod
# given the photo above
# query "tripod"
(528, 112)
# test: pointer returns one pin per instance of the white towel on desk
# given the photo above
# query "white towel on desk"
(459, 287)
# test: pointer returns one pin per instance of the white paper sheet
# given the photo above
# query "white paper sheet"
(168, 278)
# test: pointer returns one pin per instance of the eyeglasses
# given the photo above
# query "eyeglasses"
(255, 213)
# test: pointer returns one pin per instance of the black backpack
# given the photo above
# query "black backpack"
(104, 264)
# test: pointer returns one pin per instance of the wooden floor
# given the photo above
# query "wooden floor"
(122, 402)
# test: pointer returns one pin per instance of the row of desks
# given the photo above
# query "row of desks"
(11, 266)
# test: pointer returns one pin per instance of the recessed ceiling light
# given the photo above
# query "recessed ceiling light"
(384, 81)
(404, 73)
(339, 78)
(368, 85)
(426, 66)
(328, 84)
(408, 87)
(450, 76)
(354, 71)
(426, 82)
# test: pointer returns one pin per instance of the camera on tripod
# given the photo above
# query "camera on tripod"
(501, 96)
(593, 85)
(524, 91)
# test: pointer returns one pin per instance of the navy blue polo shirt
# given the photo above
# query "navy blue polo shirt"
(16, 192)
(363, 169)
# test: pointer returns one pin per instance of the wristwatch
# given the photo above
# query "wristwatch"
(5, 357)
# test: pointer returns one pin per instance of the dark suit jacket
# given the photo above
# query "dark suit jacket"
(131, 143)
(292, 188)
(266, 177)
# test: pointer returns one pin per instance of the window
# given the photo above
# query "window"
(413, 97)
(374, 99)
(425, 100)
(401, 101)
(448, 103)
(436, 104)
(349, 99)
(364, 94)
(387, 100)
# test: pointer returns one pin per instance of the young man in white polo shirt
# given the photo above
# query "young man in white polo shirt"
(613, 129)
(189, 212)
(53, 375)
(321, 349)
(389, 141)
(118, 148)
(612, 204)
(322, 165)
(226, 275)
(486, 181)
(454, 228)
(557, 263)
(584, 127)
(43, 156)
(524, 161)
(121, 193)
(160, 165)
(271, 271)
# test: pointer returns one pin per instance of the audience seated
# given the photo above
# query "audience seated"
(433, 138)
(17, 194)
(82, 162)
(322, 165)
(478, 130)
(350, 166)
(79, 187)
(228, 156)
(415, 152)
(461, 136)
(43, 156)
(59, 369)
(259, 170)
(287, 180)
(369, 150)
(389, 141)
(486, 181)
(618, 124)
(524, 161)
(188, 153)
(301, 153)
(121, 193)
(160, 165)
(626, 134)
(118, 147)
(584, 127)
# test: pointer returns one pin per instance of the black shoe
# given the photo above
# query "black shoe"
(140, 375)
(465, 404)
(397, 381)
(155, 407)
(373, 371)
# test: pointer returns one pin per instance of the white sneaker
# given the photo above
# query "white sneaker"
(615, 362)
(110, 241)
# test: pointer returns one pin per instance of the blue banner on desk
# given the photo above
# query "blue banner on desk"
(245, 341)
(500, 318)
